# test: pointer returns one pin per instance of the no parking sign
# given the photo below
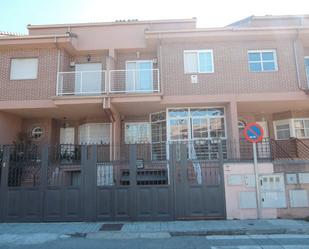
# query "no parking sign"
(254, 133)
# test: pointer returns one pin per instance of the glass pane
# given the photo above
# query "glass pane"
(299, 124)
(215, 112)
(255, 67)
(91, 82)
(268, 56)
(283, 134)
(137, 133)
(307, 133)
(158, 117)
(190, 62)
(130, 76)
(283, 127)
(269, 66)
(200, 128)
(158, 132)
(307, 68)
(144, 79)
(198, 112)
(217, 127)
(306, 124)
(300, 133)
(179, 129)
(178, 113)
(254, 56)
(205, 62)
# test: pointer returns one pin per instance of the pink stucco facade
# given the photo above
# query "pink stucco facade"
(233, 190)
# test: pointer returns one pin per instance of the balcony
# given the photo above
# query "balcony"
(118, 81)
(134, 81)
(81, 83)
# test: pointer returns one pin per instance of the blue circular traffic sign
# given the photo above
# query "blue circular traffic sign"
(254, 133)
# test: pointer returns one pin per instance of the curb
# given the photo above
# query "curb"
(230, 232)
(166, 234)
(128, 235)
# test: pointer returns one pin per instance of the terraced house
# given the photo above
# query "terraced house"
(155, 83)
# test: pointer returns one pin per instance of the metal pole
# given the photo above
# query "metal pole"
(257, 181)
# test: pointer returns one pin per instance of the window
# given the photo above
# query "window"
(196, 123)
(198, 61)
(94, 133)
(283, 131)
(262, 61)
(24, 69)
(301, 128)
(158, 135)
(307, 68)
(139, 76)
(36, 133)
(137, 133)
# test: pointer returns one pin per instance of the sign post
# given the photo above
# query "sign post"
(254, 133)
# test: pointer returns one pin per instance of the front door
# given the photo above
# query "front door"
(139, 76)
(88, 78)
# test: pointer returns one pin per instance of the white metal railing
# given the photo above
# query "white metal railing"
(81, 83)
(134, 81)
(118, 81)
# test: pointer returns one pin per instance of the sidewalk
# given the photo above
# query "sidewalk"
(156, 229)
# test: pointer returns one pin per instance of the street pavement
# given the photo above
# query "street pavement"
(235, 234)
(180, 242)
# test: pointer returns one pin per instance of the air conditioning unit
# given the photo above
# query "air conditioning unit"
(194, 79)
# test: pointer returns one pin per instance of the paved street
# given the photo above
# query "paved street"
(186, 242)
(221, 234)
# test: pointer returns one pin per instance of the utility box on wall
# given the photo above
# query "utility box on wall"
(240, 191)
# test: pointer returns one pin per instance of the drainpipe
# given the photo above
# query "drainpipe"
(299, 85)
(160, 86)
(58, 64)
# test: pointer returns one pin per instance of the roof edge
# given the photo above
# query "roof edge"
(280, 16)
(227, 28)
(133, 22)
(30, 37)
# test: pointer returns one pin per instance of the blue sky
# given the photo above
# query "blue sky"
(16, 14)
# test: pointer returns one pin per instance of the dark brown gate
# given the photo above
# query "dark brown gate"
(199, 186)
(84, 183)
(21, 192)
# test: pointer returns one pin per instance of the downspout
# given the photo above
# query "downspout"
(58, 65)
(160, 72)
(299, 85)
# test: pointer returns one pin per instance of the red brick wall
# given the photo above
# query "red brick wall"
(231, 68)
(41, 88)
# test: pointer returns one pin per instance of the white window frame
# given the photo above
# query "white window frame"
(283, 122)
(198, 60)
(33, 132)
(137, 123)
(294, 129)
(136, 62)
(24, 78)
(190, 131)
(274, 51)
